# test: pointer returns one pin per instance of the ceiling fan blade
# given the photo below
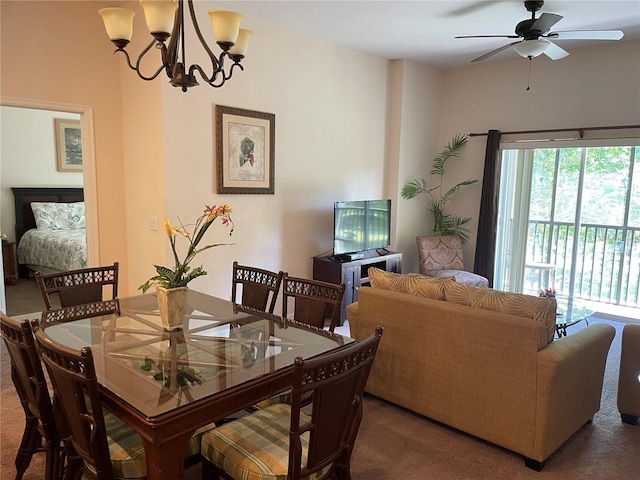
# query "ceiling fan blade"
(487, 36)
(545, 22)
(554, 52)
(587, 35)
(493, 52)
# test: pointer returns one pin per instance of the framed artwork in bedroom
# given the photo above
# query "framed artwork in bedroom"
(68, 145)
(245, 150)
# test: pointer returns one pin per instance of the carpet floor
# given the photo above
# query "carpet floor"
(396, 444)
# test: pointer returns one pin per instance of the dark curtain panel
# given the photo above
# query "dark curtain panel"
(488, 219)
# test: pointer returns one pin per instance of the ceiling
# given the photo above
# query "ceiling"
(424, 30)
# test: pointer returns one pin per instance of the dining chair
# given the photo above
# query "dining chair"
(99, 445)
(83, 310)
(258, 288)
(75, 287)
(283, 441)
(314, 301)
(41, 433)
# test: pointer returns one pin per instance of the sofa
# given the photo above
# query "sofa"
(485, 369)
(629, 376)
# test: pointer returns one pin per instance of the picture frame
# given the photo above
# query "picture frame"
(245, 150)
(68, 145)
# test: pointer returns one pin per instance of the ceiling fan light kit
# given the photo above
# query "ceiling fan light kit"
(534, 32)
(531, 48)
(165, 20)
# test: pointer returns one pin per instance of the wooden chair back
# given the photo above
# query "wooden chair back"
(76, 287)
(314, 301)
(83, 310)
(337, 381)
(28, 377)
(75, 386)
(258, 288)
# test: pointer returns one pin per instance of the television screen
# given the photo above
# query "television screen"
(361, 225)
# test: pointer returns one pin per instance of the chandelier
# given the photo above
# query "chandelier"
(165, 20)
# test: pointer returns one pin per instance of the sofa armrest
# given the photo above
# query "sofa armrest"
(570, 373)
(629, 376)
(352, 318)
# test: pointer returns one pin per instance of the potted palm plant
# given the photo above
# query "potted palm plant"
(443, 223)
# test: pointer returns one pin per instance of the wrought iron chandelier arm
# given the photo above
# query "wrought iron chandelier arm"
(217, 65)
(136, 68)
(211, 81)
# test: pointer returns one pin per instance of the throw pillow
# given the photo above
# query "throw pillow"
(413, 283)
(459, 293)
(542, 310)
(58, 216)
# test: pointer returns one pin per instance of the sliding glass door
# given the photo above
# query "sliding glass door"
(569, 220)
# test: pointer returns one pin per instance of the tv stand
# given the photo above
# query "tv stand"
(354, 273)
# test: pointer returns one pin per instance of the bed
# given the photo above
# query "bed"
(50, 229)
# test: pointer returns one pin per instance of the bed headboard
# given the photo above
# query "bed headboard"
(23, 197)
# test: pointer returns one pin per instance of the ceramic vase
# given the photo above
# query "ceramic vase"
(172, 303)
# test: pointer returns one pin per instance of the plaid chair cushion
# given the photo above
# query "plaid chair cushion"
(256, 446)
(127, 452)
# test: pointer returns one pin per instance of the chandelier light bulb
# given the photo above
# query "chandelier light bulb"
(118, 22)
(159, 14)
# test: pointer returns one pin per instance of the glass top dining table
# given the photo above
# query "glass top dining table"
(167, 384)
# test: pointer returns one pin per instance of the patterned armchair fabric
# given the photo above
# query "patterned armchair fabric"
(441, 256)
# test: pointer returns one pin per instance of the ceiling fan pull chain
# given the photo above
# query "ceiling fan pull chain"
(529, 75)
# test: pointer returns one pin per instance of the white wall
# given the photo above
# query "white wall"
(330, 120)
(415, 124)
(28, 157)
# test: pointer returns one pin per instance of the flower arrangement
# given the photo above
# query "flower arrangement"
(182, 273)
(548, 292)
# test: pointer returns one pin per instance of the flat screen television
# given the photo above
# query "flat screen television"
(361, 225)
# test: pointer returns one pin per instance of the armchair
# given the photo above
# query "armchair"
(441, 256)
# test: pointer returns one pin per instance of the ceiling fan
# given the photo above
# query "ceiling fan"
(535, 32)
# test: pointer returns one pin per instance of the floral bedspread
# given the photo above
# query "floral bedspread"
(56, 249)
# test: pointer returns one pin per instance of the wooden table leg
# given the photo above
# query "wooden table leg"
(166, 461)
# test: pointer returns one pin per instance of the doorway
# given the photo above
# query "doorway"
(88, 178)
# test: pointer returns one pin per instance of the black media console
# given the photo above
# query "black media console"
(353, 273)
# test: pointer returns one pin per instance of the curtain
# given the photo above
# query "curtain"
(488, 218)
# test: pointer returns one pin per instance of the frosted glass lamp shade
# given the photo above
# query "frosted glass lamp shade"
(531, 48)
(242, 43)
(118, 22)
(159, 14)
(225, 25)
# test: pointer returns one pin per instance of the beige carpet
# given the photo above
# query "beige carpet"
(395, 444)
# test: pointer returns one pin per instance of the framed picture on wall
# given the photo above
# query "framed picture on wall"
(245, 150)
(68, 145)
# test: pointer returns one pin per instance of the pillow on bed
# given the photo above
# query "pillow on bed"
(58, 216)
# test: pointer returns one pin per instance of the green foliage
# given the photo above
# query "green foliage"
(185, 376)
(182, 273)
(443, 223)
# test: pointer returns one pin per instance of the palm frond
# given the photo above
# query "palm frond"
(449, 193)
(452, 149)
(443, 223)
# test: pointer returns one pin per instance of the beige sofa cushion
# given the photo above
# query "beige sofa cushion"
(540, 309)
(413, 283)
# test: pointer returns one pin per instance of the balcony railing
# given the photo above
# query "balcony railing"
(602, 264)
